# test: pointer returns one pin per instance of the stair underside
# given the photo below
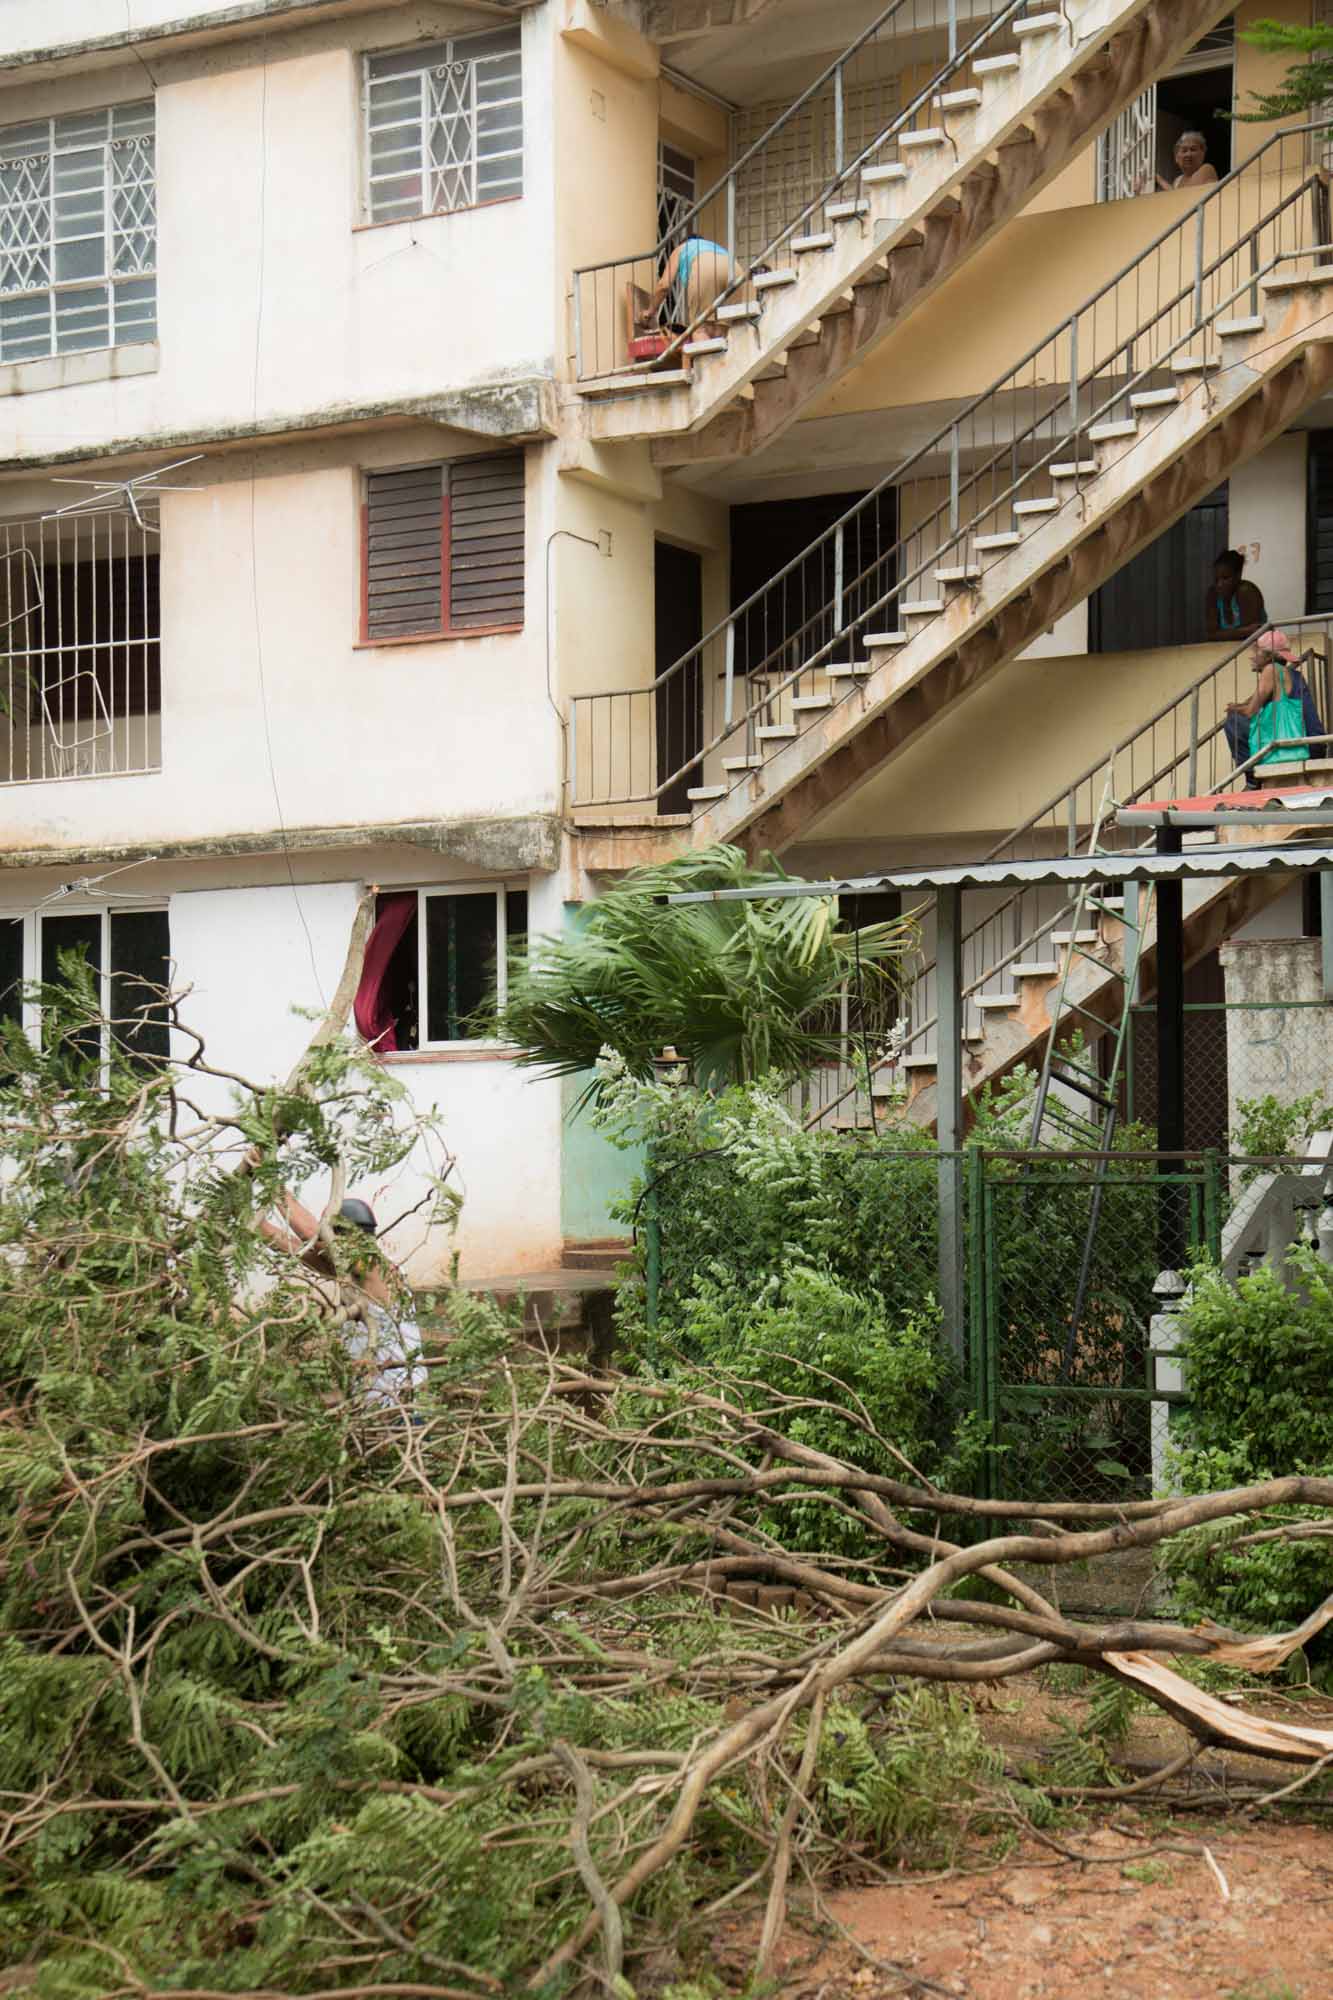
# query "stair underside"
(1223, 908)
(926, 227)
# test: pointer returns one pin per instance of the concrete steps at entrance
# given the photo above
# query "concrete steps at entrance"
(908, 219)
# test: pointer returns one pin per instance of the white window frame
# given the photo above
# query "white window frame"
(65, 186)
(500, 892)
(32, 921)
(448, 79)
(1127, 150)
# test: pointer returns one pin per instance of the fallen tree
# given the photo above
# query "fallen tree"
(304, 1690)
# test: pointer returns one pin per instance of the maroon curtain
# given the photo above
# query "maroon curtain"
(370, 1009)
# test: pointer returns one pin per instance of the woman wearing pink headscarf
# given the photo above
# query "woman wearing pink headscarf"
(1275, 661)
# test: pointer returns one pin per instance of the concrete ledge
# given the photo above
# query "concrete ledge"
(67, 371)
(502, 845)
(520, 411)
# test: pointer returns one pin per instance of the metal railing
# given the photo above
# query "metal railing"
(829, 133)
(793, 648)
(80, 640)
(1182, 750)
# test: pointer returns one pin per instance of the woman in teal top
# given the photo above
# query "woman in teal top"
(693, 278)
(1233, 609)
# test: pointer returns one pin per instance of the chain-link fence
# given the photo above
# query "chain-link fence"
(1061, 1254)
(1245, 1063)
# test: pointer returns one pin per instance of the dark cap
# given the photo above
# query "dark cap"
(359, 1213)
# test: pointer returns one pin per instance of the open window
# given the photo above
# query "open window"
(443, 550)
(1197, 95)
(80, 647)
(432, 961)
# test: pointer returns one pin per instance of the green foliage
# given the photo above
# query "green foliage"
(738, 989)
(1308, 84)
(1267, 1129)
(1260, 1365)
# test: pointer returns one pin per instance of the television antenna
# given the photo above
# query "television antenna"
(141, 485)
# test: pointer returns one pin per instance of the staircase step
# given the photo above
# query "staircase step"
(958, 100)
(996, 65)
(1075, 468)
(932, 135)
(772, 281)
(618, 385)
(1154, 399)
(823, 241)
(882, 176)
(1076, 937)
(808, 336)
(847, 211)
(921, 607)
(742, 763)
(714, 346)
(1195, 364)
(747, 309)
(959, 573)
(776, 732)
(1231, 329)
(807, 703)
(917, 1062)
(877, 641)
(994, 1002)
(1323, 276)
(1010, 539)
(856, 671)
(700, 794)
(1022, 508)
(1125, 427)
(1036, 968)
(1037, 24)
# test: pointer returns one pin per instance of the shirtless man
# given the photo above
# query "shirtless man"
(1191, 157)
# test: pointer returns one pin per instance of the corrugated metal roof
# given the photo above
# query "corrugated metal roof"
(1311, 804)
(1200, 863)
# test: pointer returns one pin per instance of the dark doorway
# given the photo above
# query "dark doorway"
(1157, 598)
(1199, 100)
(679, 602)
(793, 619)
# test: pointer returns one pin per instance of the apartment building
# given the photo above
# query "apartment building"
(363, 521)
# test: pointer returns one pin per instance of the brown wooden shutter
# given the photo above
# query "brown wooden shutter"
(486, 541)
(404, 554)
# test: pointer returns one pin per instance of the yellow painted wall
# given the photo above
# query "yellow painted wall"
(1010, 746)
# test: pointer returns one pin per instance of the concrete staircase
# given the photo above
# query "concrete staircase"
(1005, 116)
(1016, 1018)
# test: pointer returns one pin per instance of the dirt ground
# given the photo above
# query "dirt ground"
(1205, 1902)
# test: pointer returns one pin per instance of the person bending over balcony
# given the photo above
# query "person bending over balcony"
(695, 275)
(1281, 706)
(1233, 609)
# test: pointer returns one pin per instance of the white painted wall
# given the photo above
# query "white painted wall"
(1267, 522)
(252, 956)
(273, 714)
(273, 300)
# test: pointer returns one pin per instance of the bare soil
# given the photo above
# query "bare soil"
(1206, 1900)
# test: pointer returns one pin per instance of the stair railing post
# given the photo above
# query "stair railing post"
(1194, 745)
(953, 29)
(731, 217)
(955, 482)
(949, 1116)
(839, 576)
(1073, 381)
(729, 683)
(839, 121)
(572, 775)
(1198, 267)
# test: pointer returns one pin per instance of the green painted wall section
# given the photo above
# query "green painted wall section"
(593, 1172)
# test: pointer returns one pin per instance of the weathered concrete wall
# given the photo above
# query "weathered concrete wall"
(1279, 1031)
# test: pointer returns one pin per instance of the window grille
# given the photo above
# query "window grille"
(676, 189)
(80, 647)
(78, 233)
(803, 157)
(443, 549)
(444, 126)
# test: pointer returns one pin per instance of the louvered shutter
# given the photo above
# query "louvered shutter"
(404, 556)
(486, 541)
(1319, 560)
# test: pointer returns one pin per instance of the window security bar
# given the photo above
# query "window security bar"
(80, 640)
(78, 233)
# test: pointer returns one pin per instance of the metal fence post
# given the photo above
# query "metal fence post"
(949, 1116)
(652, 1249)
(1212, 1202)
(974, 1192)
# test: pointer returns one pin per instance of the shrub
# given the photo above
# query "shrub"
(1260, 1360)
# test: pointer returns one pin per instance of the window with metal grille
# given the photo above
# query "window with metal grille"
(78, 233)
(80, 646)
(444, 126)
(676, 189)
(443, 549)
(804, 156)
